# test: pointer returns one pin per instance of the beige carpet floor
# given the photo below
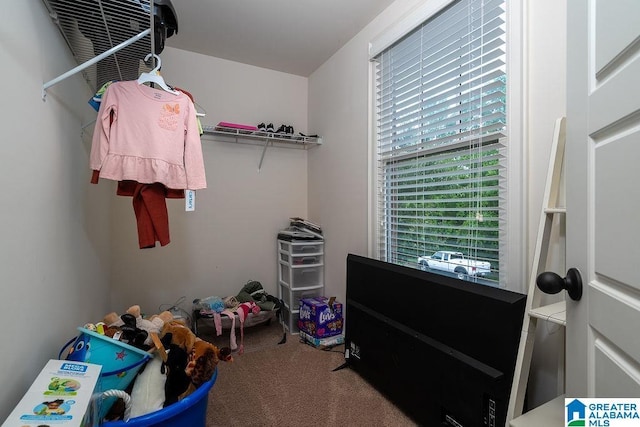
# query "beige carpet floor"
(292, 384)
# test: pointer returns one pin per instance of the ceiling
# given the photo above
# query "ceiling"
(292, 36)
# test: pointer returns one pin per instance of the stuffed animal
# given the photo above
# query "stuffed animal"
(147, 394)
(190, 362)
(125, 330)
(177, 380)
(176, 332)
(202, 362)
(152, 324)
(162, 383)
(133, 328)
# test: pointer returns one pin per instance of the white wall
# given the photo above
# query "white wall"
(338, 174)
(338, 171)
(54, 255)
(231, 237)
(547, 102)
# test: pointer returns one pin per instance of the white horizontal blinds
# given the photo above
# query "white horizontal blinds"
(421, 77)
(448, 201)
(440, 95)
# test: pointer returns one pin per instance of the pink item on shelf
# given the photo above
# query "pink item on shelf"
(236, 126)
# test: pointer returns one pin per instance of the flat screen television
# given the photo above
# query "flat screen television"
(442, 349)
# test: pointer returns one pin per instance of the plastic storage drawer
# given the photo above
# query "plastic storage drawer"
(292, 299)
(300, 277)
(301, 259)
(310, 247)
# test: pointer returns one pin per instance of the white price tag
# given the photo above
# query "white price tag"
(189, 200)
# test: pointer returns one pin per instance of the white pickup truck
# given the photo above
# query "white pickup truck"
(454, 262)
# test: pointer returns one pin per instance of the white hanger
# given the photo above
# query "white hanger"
(154, 77)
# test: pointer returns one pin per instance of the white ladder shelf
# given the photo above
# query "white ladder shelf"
(555, 313)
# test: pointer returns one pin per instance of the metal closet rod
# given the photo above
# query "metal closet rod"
(93, 60)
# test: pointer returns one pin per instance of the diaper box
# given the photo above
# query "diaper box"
(320, 317)
(322, 343)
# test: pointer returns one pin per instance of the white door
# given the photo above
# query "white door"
(603, 197)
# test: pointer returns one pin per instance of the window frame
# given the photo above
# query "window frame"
(513, 248)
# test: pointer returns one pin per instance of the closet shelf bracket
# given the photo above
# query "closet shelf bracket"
(93, 60)
(264, 150)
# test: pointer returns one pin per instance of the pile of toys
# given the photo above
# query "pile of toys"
(178, 362)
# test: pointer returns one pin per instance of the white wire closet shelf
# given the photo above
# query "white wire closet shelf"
(108, 38)
(262, 138)
(296, 141)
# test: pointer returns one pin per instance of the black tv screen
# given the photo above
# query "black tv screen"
(443, 349)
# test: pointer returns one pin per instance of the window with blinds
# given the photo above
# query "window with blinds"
(441, 151)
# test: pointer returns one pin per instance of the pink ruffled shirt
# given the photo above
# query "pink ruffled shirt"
(153, 137)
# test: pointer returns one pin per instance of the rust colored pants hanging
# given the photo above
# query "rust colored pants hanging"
(152, 218)
(150, 208)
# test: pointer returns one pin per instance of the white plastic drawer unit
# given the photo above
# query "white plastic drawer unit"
(292, 299)
(302, 259)
(306, 248)
(300, 276)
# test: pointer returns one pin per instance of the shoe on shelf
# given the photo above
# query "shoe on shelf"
(282, 129)
(262, 127)
(290, 130)
(269, 127)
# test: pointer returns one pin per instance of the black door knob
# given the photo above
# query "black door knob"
(551, 283)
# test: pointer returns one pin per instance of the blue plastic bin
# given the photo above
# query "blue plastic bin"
(120, 362)
(190, 411)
